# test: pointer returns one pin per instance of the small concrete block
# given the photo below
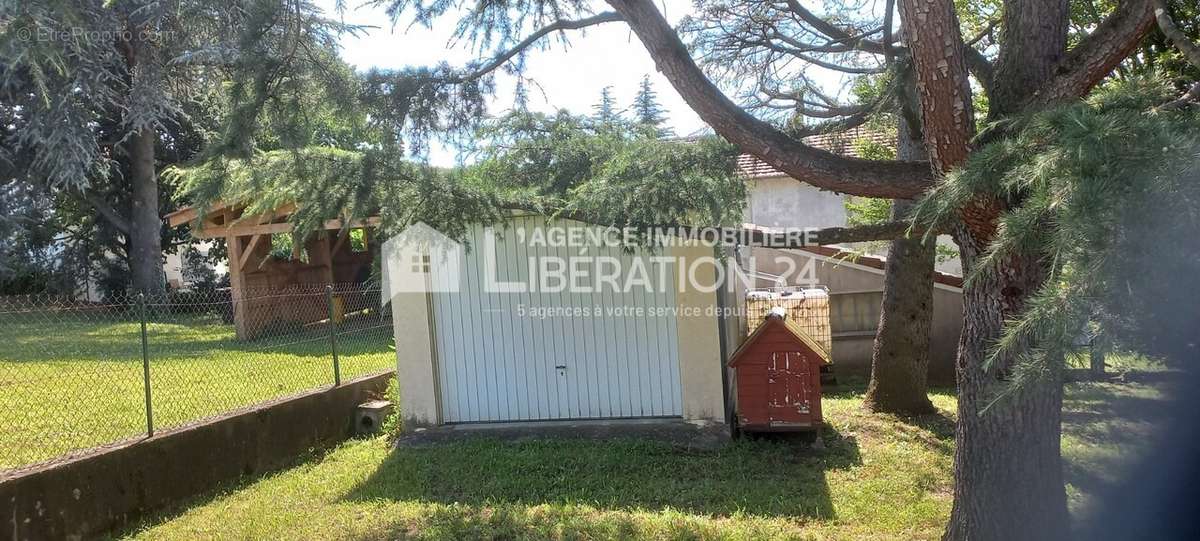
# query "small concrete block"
(376, 405)
(369, 416)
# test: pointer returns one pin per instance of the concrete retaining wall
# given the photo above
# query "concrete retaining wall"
(113, 488)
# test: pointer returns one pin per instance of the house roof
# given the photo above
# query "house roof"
(788, 324)
(842, 143)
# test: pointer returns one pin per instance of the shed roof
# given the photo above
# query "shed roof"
(788, 324)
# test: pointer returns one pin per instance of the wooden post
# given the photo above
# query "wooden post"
(237, 286)
(327, 249)
(1096, 354)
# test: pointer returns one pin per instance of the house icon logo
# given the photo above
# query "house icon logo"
(420, 259)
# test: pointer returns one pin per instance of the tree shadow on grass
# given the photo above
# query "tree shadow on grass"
(937, 430)
(1110, 425)
(1104, 411)
(933, 430)
(772, 476)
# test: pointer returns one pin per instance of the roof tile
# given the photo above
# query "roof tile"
(838, 143)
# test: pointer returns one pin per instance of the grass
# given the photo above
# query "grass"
(880, 477)
(1105, 427)
(70, 382)
(751, 489)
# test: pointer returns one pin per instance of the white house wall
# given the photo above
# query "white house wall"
(784, 202)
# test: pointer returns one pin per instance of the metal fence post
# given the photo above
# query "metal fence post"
(337, 371)
(146, 365)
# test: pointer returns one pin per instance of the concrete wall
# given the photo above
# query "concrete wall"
(700, 362)
(852, 353)
(784, 202)
(113, 488)
(413, 331)
(947, 326)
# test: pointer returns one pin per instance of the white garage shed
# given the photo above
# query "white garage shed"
(525, 325)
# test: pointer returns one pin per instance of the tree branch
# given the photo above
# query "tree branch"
(831, 126)
(1192, 95)
(1099, 53)
(980, 67)
(853, 70)
(864, 233)
(833, 235)
(833, 32)
(106, 211)
(1176, 36)
(557, 26)
(800, 50)
(888, 53)
(942, 83)
(985, 32)
(947, 114)
(796, 46)
(890, 179)
(811, 108)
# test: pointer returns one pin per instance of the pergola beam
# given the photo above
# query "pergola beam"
(190, 214)
(240, 228)
(345, 234)
(249, 251)
(373, 221)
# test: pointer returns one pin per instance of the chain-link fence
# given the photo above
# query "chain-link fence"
(76, 375)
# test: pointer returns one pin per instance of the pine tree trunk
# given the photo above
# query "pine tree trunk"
(900, 357)
(1008, 474)
(145, 226)
(1008, 481)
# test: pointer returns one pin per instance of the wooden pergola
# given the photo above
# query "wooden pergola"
(256, 278)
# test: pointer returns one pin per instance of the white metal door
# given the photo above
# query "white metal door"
(536, 355)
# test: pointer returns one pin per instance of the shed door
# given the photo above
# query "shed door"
(789, 389)
(538, 355)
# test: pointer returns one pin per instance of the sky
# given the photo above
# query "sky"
(567, 77)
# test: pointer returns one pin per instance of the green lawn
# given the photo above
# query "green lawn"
(881, 477)
(70, 381)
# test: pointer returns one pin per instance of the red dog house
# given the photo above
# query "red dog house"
(777, 374)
